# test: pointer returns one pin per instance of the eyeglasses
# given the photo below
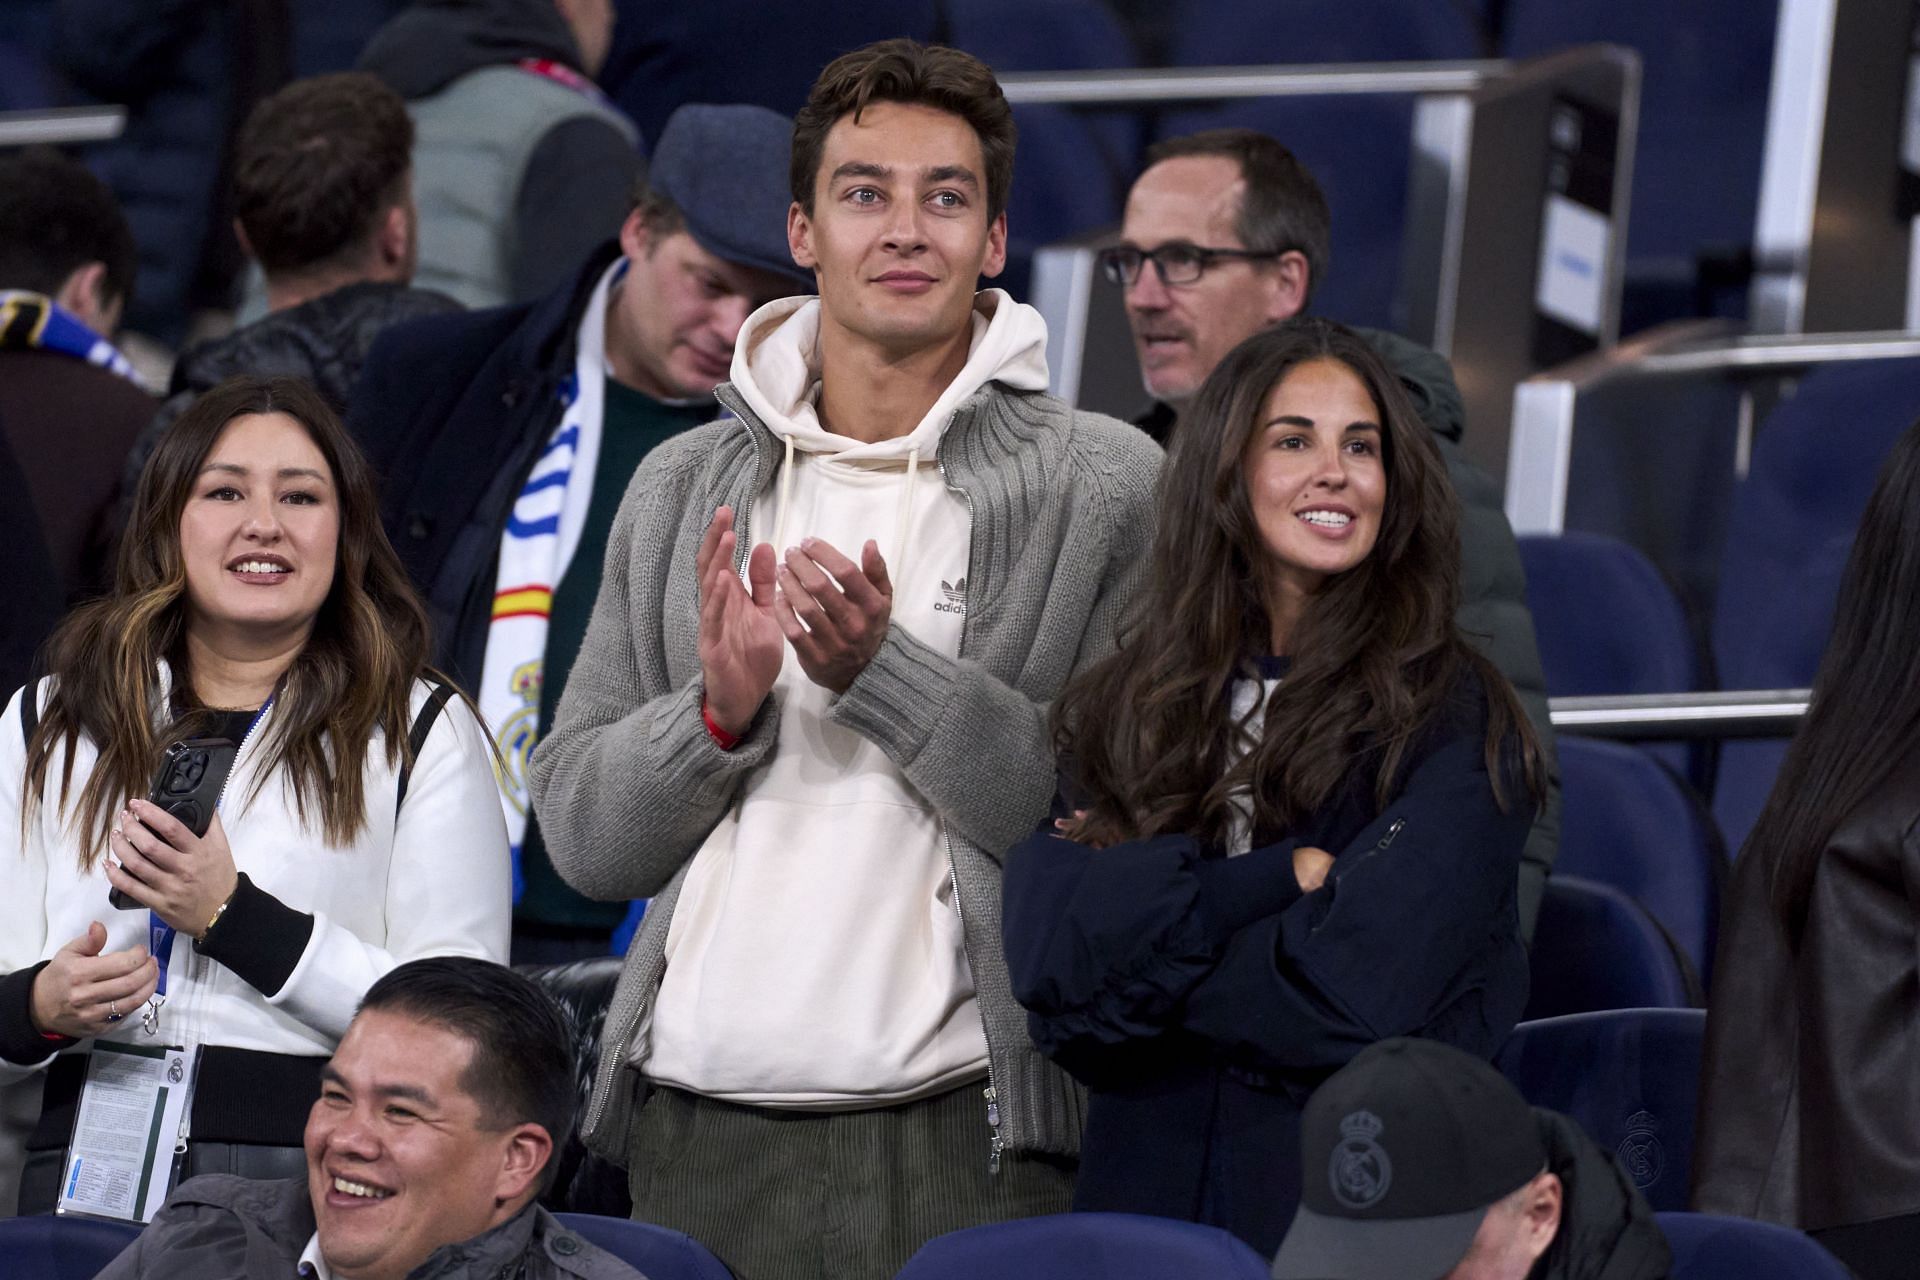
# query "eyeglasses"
(1176, 263)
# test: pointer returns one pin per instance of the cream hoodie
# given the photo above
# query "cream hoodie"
(815, 958)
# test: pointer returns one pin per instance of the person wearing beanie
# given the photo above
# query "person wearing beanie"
(1421, 1162)
(505, 439)
(520, 163)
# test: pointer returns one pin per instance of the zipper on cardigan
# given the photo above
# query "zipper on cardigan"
(995, 1145)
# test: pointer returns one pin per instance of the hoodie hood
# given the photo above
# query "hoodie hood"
(432, 43)
(776, 371)
(1428, 377)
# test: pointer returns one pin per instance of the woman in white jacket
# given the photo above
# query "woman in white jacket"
(258, 599)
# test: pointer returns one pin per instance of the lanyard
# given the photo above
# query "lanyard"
(159, 932)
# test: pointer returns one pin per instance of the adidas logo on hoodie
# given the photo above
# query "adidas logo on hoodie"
(956, 597)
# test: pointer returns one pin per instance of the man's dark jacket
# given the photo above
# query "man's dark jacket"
(452, 411)
(34, 602)
(219, 1227)
(1493, 611)
(69, 425)
(1607, 1229)
(324, 340)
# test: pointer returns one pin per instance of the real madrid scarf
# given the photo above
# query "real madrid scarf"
(34, 322)
(543, 529)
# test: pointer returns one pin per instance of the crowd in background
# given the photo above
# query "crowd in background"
(597, 495)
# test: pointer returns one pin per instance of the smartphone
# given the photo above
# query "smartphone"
(187, 785)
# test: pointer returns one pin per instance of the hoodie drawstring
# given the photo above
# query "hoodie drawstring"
(786, 494)
(902, 515)
(903, 520)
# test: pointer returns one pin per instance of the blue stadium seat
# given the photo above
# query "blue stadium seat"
(1707, 1246)
(1792, 523)
(623, 933)
(1595, 948)
(1705, 70)
(1072, 168)
(1628, 821)
(1086, 1246)
(1630, 1077)
(25, 82)
(45, 1247)
(656, 1252)
(1358, 147)
(1608, 622)
(669, 52)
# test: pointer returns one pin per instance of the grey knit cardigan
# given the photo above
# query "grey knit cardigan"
(628, 783)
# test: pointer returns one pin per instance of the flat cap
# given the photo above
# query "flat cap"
(725, 169)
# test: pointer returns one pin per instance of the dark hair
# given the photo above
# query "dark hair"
(316, 165)
(522, 1070)
(658, 214)
(1149, 731)
(56, 217)
(1864, 718)
(930, 75)
(354, 675)
(1283, 207)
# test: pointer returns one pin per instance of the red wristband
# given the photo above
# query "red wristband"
(724, 740)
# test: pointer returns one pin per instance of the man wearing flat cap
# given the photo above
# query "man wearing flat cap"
(505, 438)
(1420, 1162)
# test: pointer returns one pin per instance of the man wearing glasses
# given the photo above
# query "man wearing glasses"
(1225, 234)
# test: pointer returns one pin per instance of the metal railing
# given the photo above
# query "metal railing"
(1547, 407)
(1752, 713)
(1208, 84)
(61, 126)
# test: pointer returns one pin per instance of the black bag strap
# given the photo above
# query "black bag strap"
(417, 737)
(29, 711)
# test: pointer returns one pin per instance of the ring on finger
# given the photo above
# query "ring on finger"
(113, 1011)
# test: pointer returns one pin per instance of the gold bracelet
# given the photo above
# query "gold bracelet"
(217, 913)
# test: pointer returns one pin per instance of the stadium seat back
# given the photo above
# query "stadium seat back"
(1607, 621)
(1791, 527)
(584, 1182)
(655, 1252)
(1705, 71)
(45, 1247)
(1707, 1246)
(1596, 948)
(1358, 147)
(1627, 820)
(1073, 166)
(1630, 1077)
(1086, 1246)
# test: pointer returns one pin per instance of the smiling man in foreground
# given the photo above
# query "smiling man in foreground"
(437, 1124)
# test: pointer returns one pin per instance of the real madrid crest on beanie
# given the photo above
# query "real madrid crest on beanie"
(1403, 1151)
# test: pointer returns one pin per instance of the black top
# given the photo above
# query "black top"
(1202, 998)
(1807, 1077)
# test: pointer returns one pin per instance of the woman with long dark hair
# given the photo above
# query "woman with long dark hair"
(256, 599)
(1810, 1090)
(1293, 802)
